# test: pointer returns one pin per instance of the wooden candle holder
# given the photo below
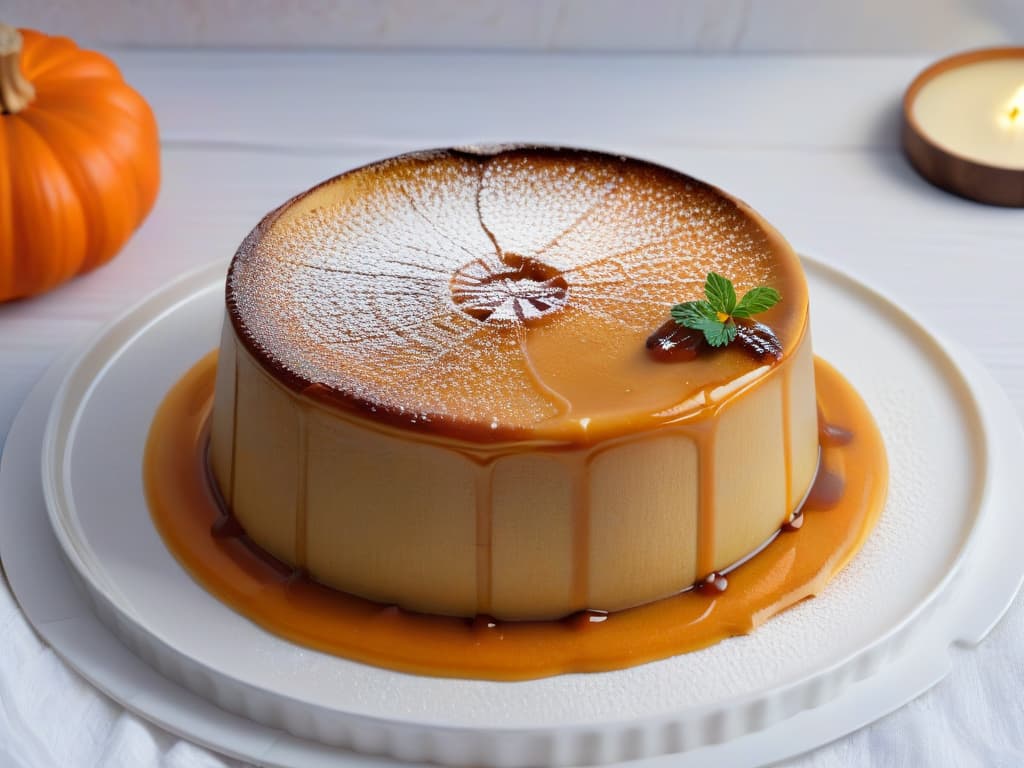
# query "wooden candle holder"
(943, 167)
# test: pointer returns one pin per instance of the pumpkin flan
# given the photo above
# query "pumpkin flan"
(434, 388)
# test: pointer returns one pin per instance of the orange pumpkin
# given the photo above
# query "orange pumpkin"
(79, 161)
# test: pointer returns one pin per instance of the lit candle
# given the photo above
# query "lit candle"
(1012, 117)
(963, 125)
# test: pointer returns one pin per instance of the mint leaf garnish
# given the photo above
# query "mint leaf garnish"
(721, 334)
(715, 315)
(756, 300)
(693, 313)
(721, 295)
(701, 316)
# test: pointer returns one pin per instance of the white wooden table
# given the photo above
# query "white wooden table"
(811, 142)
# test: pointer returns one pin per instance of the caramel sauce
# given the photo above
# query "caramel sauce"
(186, 510)
(229, 497)
(583, 620)
(484, 537)
(832, 434)
(580, 585)
(827, 490)
(500, 263)
(226, 527)
(794, 524)
(301, 518)
(714, 583)
(705, 440)
(787, 435)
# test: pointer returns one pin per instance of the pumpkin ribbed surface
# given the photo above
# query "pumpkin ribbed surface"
(79, 165)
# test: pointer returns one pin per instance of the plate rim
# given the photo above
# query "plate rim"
(203, 277)
(57, 445)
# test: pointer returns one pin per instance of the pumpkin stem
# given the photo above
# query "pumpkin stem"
(15, 91)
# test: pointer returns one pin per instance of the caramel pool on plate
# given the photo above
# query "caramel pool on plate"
(839, 514)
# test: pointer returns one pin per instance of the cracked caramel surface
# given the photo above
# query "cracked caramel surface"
(503, 295)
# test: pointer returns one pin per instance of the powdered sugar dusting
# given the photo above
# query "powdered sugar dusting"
(527, 205)
(509, 289)
(413, 284)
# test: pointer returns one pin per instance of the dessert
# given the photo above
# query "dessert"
(435, 390)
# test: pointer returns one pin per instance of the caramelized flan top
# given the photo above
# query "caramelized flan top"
(505, 294)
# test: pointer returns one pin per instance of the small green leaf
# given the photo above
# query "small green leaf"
(714, 317)
(720, 335)
(693, 313)
(701, 316)
(720, 293)
(756, 300)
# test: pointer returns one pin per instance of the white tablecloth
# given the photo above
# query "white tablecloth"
(811, 142)
(51, 718)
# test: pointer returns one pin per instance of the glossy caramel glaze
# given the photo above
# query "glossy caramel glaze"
(791, 568)
(502, 296)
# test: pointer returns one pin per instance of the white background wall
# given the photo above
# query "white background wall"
(813, 26)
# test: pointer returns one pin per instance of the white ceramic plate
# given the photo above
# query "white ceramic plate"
(887, 620)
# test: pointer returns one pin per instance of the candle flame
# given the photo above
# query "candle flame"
(1015, 109)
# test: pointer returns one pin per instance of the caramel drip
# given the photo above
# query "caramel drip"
(227, 526)
(787, 436)
(580, 585)
(583, 620)
(714, 583)
(794, 524)
(234, 430)
(832, 434)
(479, 623)
(301, 482)
(704, 436)
(484, 536)
(829, 485)
(185, 507)
(562, 406)
(827, 490)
